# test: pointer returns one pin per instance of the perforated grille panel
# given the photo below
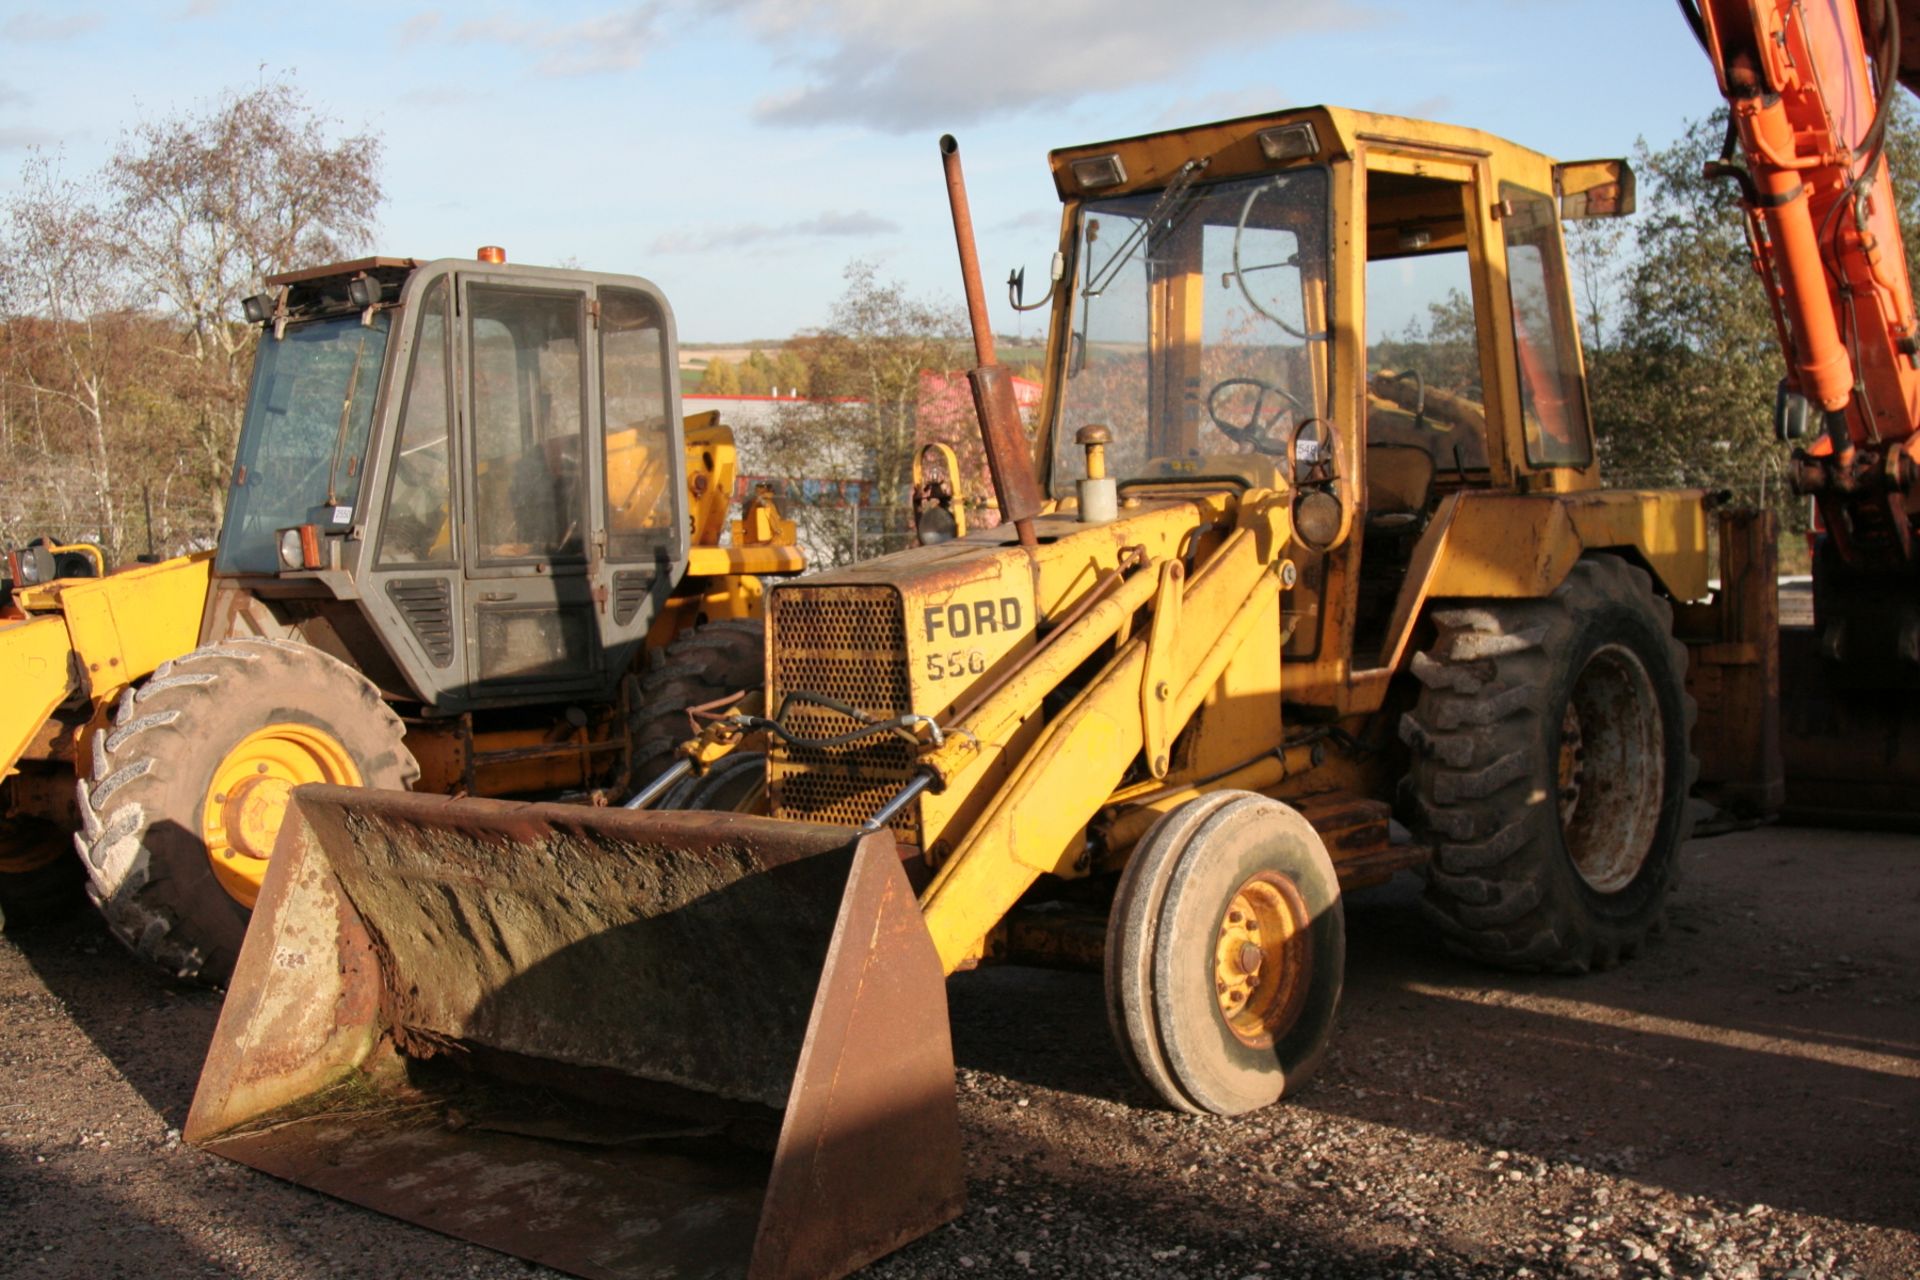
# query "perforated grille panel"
(848, 644)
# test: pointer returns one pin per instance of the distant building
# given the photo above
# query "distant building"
(944, 414)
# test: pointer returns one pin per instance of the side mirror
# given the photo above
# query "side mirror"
(1792, 414)
(1017, 285)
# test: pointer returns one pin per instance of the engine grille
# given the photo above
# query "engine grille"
(848, 644)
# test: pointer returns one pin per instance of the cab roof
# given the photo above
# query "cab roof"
(1233, 148)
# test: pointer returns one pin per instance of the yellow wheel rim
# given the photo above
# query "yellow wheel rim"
(247, 799)
(1261, 963)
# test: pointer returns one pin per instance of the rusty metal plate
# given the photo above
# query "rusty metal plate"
(616, 1043)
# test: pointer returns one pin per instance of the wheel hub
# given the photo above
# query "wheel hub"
(1261, 962)
(1612, 769)
(253, 813)
(248, 797)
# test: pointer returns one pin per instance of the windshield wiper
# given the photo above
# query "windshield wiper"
(1174, 194)
(346, 414)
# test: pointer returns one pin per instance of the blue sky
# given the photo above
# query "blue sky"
(740, 152)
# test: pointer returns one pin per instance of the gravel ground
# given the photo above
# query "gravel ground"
(1740, 1101)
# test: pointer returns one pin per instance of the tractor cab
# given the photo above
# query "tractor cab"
(469, 476)
(1375, 309)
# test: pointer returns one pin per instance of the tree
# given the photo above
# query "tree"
(123, 358)
(70, 324)
(720, 378)
(208, 204)
(863, 423)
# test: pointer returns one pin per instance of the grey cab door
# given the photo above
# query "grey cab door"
(529, 428)
(415, 583)
(638, 550)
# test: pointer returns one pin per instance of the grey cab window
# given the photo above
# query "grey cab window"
(418, 529)
(527, 393)
(639, 471)
(1553, 403)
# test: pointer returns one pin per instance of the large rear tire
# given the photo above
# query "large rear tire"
(1551, 769)
(1226, 953)
(703, 664)
(186, 792)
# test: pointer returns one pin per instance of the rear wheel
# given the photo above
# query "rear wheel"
(186, 792)
(702, 665)
(1551, 769)
(1226, 953)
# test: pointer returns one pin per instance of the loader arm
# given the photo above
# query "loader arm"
(1156, 681)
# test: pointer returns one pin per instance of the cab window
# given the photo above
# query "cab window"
(633, 365)
(1553, 403)
(417, 530)
(526, 388)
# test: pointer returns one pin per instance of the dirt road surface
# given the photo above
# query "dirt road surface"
(1740, 1101)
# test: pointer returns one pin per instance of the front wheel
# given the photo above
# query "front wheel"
(1226, 953)
(1551, 769)
(186, 791)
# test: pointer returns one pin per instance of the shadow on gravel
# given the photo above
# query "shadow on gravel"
(1710, 1065)
(94, 1233)
(1108, 1219)
(154, 1031)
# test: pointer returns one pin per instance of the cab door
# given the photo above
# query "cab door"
(638, 547)
(528, 425)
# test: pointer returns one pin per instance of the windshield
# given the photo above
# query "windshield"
(303, 444)
(1200, 322)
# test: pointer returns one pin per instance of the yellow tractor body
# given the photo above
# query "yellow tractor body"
(1283, 603)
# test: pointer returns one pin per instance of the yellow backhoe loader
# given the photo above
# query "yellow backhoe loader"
(1283, 602)
(470, 545)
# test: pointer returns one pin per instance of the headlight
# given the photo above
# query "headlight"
(30, 566)
(292, 555)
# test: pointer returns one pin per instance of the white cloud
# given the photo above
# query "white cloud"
(831, 224)
(617, 40)
(903, 67)
(21, 139)
(48, 26)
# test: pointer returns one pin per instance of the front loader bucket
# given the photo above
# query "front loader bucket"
(620, 1044)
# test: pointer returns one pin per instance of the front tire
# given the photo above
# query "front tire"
(1226, 954)
(1551, 769)
(186, 792)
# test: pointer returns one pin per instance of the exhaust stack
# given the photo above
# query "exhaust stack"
(1009, 457)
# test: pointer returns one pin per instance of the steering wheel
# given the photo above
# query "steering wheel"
(1256, 431)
